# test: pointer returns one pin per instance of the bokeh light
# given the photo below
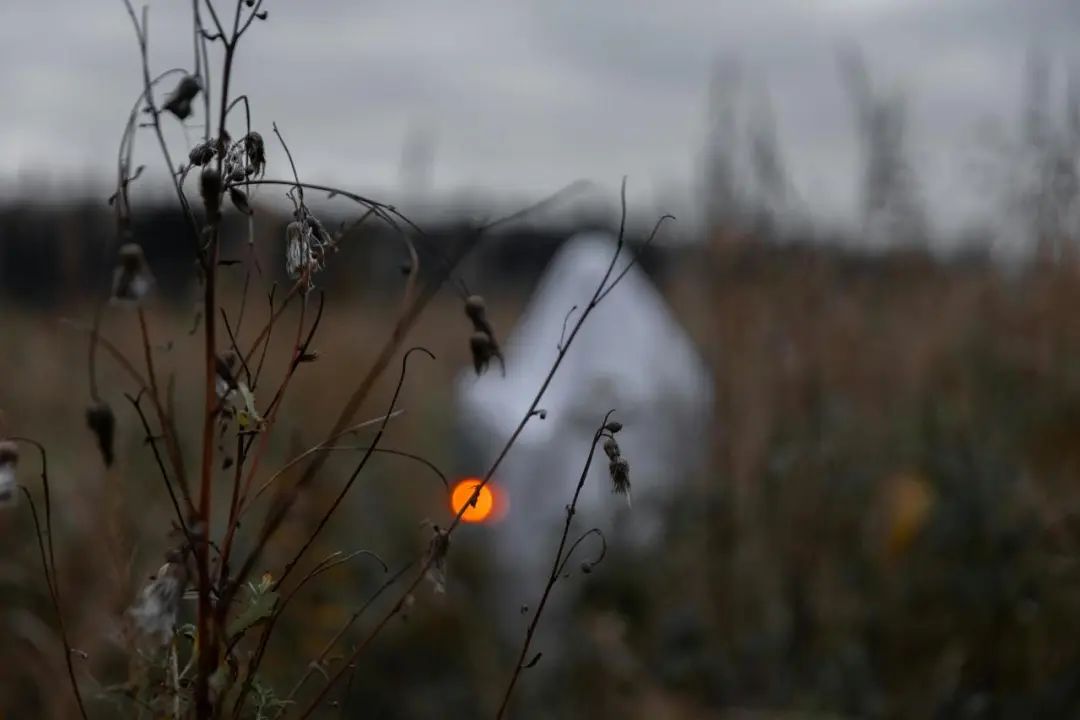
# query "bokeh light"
(489, 506)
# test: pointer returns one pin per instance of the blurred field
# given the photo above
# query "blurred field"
(888, 527)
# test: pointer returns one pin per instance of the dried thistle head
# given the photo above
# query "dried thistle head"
(619, 469)
(102, 422)
(179, 100)
(154, 613)
(132, 280)
(9, 460)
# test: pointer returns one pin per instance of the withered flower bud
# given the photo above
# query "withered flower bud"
(210, 188)
(482, 343)
(202, 153)
(102, 422)
(322, 237)
(9, 459)
(131, 278)
(255, 149)
(179, 101)
(476, 310)
(620, 477)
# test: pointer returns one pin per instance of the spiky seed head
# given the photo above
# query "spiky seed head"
(620, 476)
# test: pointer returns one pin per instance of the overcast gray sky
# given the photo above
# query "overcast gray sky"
(520, 97)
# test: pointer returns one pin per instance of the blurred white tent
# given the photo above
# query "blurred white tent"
(631, 356)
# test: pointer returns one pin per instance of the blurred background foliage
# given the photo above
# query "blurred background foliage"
(887, 527)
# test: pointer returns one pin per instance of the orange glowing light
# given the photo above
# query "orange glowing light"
(488, 502)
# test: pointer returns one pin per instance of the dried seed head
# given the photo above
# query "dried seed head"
(158, 605)
(210, 188)
(306, 245)
(476, 311)
(255, 149)
(131, 278)
(620, 477)
(102, 422)
(437, 548)
(9, 487)
(611, 448)
(179, 101)
(202, 153)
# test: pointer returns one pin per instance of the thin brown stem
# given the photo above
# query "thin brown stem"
(553, 577)
(48, 560)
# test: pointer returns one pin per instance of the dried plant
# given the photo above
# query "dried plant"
(210, 667)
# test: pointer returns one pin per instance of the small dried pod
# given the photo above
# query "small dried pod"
(322, 237)
(202, 153)
(132, 279)
(476, 310)
(179, 101)
(620, 477)
(102, 422)
(297, 250)
(9, 460)
(239, 200)
(210, 188)
(255, 149)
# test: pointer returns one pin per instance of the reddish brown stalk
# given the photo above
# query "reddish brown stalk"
(240, 495)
